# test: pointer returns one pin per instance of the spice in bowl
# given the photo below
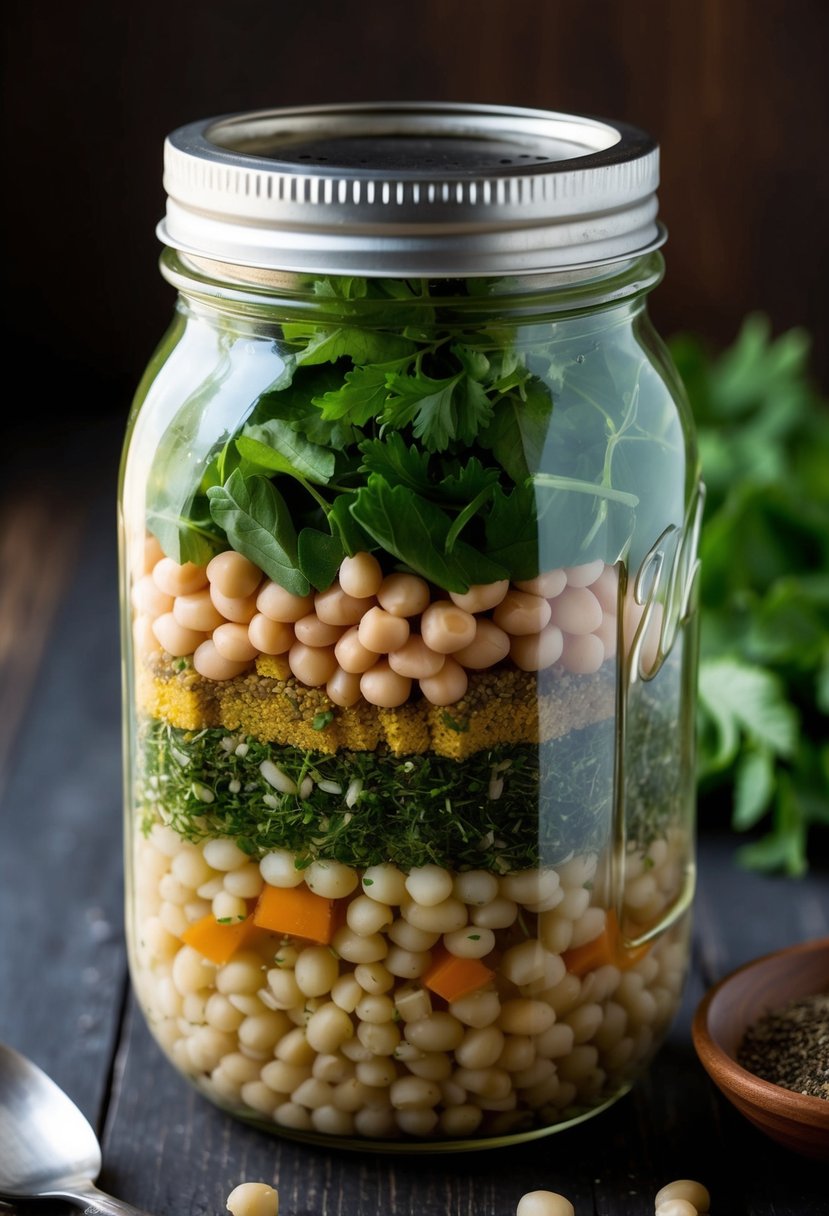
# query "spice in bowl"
(790, 1047)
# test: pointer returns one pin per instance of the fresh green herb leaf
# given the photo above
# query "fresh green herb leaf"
(753, 787)
(415, 531)
(360, 397)
(319, 556)
(360, 345)
(343, 525)
(277, 447)
(519, 428)
(321, 720)
(512, 533)
(258, 525)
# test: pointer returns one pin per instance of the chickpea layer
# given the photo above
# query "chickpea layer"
(426, 1004)
(228, 613)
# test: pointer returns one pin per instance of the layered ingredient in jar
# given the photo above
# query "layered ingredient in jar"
(374, 866)
(409, 724)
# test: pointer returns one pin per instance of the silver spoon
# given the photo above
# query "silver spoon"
(47, 1148)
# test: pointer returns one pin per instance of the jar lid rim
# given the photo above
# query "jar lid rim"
(411, 188)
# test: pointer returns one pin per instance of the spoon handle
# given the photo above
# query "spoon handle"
(97, 1203)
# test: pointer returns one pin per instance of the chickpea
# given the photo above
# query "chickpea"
(548, 584)
(351, 654)
(270, 637)
(520, 613)
(381, 685)
(481, 596)
(382, 631)
(577, 610)
(344, 688)
(336, 607)
(448, 686)
(675, 1207)
(242, 610)
(415, 660)
(197, 611)
(175, 639)
(312, 665)
(489, 646)
(314, 632)
(446, 628)
(361, 575)
(149, 599)
(232, 642)
(280, 605)
(403, 594)
(173, 579)
(537, 651)
(582, 654)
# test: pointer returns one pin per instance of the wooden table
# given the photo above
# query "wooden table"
(65, 998)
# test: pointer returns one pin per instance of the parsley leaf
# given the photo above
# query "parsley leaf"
(360, 397)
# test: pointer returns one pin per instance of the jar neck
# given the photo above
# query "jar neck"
(267, 294)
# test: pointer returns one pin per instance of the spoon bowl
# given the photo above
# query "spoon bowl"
(47, 1148)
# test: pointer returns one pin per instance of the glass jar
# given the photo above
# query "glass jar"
(409, 514)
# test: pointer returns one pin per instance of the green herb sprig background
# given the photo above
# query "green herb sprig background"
(764, 670)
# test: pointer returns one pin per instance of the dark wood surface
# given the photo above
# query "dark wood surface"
(65, 998)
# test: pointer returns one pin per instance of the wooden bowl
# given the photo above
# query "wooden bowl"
(798, 1121)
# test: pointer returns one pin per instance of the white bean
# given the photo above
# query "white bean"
(415, 660)
(385, 883)
(280, 605)
(382, 685)
(489, 646)
(576, 611)
(429, 884)
(685, 1188)
(328, 1028)
(366, 915)
(279, 869)
(173, 579)
(471, 942)
(316, 970)
(331, 879)
(360, 575)
(446, 628)
(475, 887)
(403, 594)
(520, 613)
(209, 663)
(352, 655)
(336, 607)
(481, 596)
(253, 1198)
(175, 639)
(270, 637)
(414, 1093)
(448, 686)
(382, 631)
(548, 584)
(537, 651)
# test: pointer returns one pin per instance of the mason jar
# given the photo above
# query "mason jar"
(409, 514)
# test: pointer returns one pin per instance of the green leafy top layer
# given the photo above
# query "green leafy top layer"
(464, 455)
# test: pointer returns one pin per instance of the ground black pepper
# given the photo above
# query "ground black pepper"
(790, 1047)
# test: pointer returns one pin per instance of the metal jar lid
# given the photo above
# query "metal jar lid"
(411, 189)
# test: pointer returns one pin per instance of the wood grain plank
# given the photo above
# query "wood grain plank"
(38, 540)
(62, 962)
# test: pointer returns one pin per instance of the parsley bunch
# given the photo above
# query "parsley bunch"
(464, 450)
(764, 672)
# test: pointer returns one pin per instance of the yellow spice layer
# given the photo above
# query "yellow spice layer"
(501, 706)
